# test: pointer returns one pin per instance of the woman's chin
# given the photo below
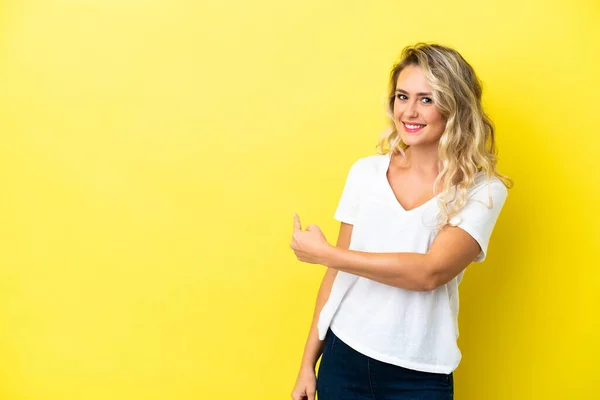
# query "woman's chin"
(410, 139)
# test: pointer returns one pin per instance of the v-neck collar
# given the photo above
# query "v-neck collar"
(390, 192)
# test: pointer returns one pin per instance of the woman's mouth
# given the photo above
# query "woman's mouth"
(412, 128)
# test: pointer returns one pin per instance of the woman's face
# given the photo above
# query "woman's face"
(418, 120)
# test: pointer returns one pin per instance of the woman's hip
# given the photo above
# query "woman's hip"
(344, 373)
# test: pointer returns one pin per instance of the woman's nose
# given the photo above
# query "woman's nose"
(411, 110)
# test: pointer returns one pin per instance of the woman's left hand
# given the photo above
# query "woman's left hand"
(310, 245)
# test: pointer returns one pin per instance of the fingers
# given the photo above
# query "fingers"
(306, 394)
(297, 225)
(298, 396)
(313, 227)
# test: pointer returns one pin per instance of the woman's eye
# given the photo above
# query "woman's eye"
(400, 96)
(427, 100)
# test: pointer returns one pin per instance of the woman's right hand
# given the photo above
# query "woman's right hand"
(306, 385)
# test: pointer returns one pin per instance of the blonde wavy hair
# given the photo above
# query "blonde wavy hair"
(467, 145)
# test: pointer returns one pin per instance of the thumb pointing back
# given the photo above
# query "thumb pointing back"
(297, 225)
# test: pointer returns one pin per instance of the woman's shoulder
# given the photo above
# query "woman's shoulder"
(481, 182)
(371, 163)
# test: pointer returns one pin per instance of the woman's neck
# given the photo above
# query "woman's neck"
(420, 161)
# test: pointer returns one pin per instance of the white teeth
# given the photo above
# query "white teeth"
(414, 126)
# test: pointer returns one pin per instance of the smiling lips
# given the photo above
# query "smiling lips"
(412, 128)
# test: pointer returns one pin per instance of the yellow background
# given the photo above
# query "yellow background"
(152, 154)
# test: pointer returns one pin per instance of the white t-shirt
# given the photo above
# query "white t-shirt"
(412, 329)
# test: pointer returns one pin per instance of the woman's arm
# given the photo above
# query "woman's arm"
(452, 250)
(314, 346)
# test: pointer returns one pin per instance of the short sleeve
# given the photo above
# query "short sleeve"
(348, 204)
(480, 213)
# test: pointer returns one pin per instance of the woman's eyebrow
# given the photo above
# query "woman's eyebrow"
(418, 94)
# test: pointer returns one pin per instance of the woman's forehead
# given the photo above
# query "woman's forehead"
(412, 80)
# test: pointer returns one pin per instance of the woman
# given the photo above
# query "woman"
(412, 218)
